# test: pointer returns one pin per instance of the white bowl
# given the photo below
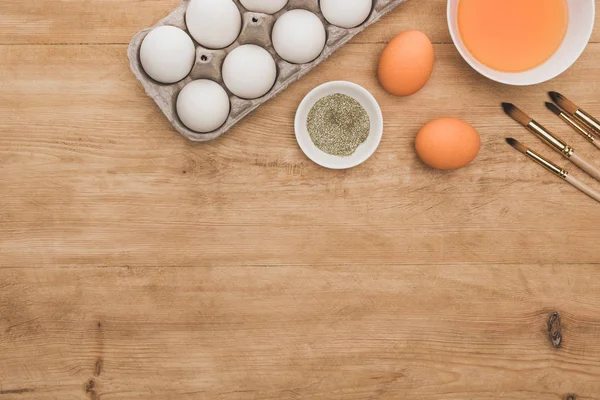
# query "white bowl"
(365, 150)
(579, 31)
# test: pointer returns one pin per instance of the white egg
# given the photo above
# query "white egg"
(299, 36)
(249, 71)
(346, 13)
(203, 106)
(167, 54)
(264, 6)
(214, 24)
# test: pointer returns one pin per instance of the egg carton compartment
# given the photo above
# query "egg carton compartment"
(256, 29)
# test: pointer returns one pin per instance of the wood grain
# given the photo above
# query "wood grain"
(134, 264)
(366, 332)
(90, 164)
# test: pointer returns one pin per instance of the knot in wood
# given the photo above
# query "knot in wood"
(555, 330)
(89, 386)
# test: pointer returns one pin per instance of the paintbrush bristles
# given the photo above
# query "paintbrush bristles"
(563, 102)
(512, 111)
(554, 108)
(517, 145)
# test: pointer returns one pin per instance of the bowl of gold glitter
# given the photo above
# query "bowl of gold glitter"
(339, 125)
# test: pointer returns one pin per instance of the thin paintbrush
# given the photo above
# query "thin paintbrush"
(574, 123)
(552, 140)
(573, 109)
(555, 169)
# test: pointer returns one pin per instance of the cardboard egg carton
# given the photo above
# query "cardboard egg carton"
(256, 29)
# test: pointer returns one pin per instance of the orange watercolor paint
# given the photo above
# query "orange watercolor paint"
(513, 35)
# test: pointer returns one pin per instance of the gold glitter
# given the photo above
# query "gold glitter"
(338, 125)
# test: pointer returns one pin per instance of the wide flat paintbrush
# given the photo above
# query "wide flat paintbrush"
(574, 123)
(573, 109)
(550, 139)
(555, 169)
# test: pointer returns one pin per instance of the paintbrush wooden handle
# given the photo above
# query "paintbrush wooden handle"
(592, 170)
(583, 187)
(596, 143)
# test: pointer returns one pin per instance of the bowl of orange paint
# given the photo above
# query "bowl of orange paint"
(521, 42)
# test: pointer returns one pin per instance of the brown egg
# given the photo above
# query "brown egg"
(448, 143)
(406, 63)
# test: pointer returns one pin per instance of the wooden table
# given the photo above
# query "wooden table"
(135, 264)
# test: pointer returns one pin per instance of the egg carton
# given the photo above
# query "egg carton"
(256, 29)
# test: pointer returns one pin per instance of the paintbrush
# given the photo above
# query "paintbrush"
(573, 109)
(550, 139)
(574, 123)
(555, 169)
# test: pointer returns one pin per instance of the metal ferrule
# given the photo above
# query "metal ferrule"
(589, 120)
(549, 165)
(555, 142)
(578, 127)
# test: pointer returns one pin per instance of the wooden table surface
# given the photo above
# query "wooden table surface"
(135, 264)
